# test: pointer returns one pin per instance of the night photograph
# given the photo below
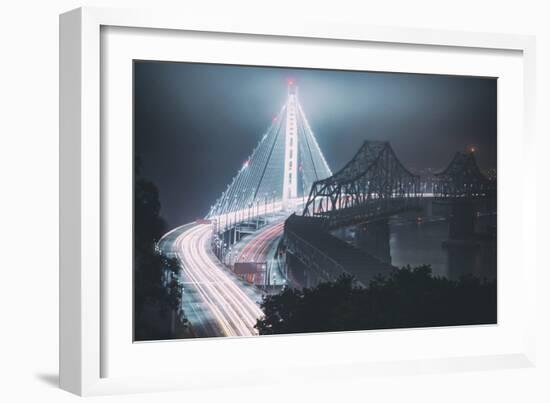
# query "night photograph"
(272, 201)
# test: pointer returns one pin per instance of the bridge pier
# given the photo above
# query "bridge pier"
(225, 240)
(428, 207)
(230, 236)
(374, 238)
(462, 221)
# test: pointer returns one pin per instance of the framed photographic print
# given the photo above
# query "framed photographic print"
(231, 190)
(289, 244)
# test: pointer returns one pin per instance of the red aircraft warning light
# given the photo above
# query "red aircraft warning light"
(292, 88)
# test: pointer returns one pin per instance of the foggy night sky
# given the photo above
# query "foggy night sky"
(195, 124)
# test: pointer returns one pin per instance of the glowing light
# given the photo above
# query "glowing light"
(235, 312)
(234, 199)
(256, 249)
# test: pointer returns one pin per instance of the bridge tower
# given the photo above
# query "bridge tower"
(279, 173)
(290, 176)
(462, 186)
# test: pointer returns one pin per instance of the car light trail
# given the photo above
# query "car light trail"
(256, 248)
(235, 311)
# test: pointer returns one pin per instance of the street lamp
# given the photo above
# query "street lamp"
(265, 206)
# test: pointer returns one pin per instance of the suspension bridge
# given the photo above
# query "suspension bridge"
(270, 185)
(285, 199)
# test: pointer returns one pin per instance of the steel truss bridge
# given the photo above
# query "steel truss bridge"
(372, 185)
(463, 180)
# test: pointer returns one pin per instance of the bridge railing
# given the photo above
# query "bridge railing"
(370, 210)
(373, 182)
(312, 257)
(448, 189)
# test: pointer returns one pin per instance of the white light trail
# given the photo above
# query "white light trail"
(271, 173)
(256, 249)
(235, 311)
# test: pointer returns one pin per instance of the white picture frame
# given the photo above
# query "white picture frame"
(83, 306)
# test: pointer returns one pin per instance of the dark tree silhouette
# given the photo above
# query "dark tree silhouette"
(157, 292)
(406, 298)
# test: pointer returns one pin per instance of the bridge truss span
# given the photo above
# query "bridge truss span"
(373, 185)
(462, 179)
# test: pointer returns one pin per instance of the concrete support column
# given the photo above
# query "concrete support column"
(462, 222)
(374, 238)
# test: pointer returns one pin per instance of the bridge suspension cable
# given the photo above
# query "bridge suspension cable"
(282, 167)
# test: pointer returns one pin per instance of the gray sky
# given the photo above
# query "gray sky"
(195, 124)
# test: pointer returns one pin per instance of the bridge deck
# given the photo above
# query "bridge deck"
(308, 236)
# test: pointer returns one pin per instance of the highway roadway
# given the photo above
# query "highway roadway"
(216, 302)
(257, 248)
(261, 247)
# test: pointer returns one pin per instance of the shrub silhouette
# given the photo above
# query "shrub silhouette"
(157, 292)
(408, 297)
